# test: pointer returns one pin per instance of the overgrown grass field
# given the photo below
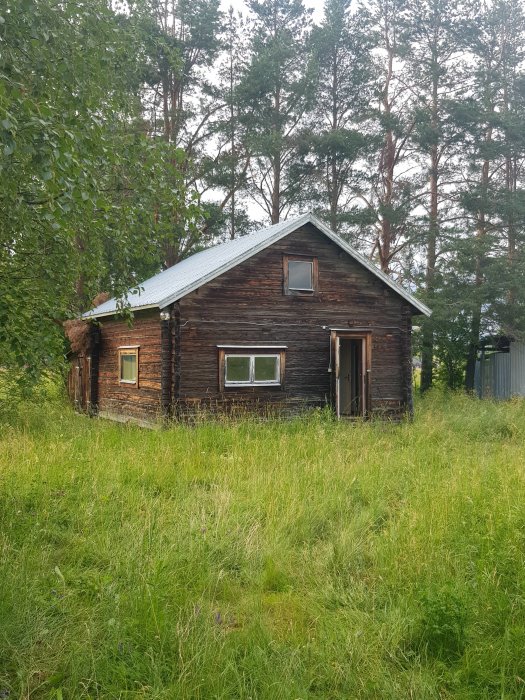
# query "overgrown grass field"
(293, 560)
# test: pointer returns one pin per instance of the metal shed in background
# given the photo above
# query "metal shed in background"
(500, 369)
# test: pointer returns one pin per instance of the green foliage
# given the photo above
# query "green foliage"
(307, 558)
(18, 388)
(53, 146)
(341, 47)
(277, 88)
(491, 255)
(86, 198)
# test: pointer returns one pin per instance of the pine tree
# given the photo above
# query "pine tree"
(230, 159)
(491, 194)
(434, 62)
(180, 102)
(342, 45)
(387, 219)
(277, 92)
(510, 304)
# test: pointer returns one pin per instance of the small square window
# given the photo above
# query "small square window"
(128, 365)
(237, 368)
(266, 369)
(300, 275)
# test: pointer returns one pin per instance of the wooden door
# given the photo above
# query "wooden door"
(79, 382)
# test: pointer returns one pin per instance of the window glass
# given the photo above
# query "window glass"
(266, 369)
(128, 368)
(252, 369)
(300, 275)
(237, 369)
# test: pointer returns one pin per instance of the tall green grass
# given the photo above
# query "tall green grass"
(300, 559)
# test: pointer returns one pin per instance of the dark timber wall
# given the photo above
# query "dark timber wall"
(116, 399)
(179, 358)
(247, 305)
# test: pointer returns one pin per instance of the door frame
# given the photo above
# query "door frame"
(366, 367)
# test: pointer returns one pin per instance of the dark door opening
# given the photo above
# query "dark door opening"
(351, 380)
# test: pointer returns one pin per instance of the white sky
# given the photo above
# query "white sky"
(316, 5)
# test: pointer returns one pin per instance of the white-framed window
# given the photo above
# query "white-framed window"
(128, 365)
(301, 275)
(252, 369)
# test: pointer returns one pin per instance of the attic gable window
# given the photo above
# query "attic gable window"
(128, 365)
(300, 275)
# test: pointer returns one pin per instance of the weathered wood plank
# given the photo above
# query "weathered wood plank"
(114, 397)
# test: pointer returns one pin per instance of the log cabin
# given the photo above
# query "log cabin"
(285, 319)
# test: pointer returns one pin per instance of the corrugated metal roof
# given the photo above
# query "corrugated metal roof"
(184, 277)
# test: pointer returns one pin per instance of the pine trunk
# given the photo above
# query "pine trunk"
(387, 167)
(233, 152)
(276, 167)
(475, 324)
(427, 350)
(333, 178)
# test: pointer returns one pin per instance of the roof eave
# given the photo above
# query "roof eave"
(300, 221)
(421, 308)
(115, 312)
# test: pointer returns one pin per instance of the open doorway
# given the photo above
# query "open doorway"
(350, 374)
(352, 370)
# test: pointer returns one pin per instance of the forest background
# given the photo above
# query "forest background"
(134, 134)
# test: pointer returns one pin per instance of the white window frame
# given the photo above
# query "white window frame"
(311, 288)
(129, 350)
(252, 381)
